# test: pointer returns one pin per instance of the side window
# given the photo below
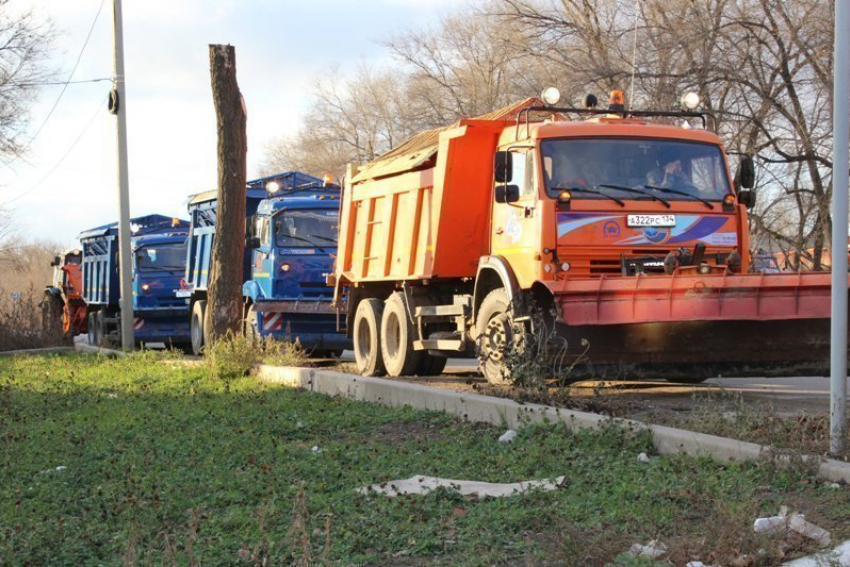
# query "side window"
(263, 230)
(520, 172)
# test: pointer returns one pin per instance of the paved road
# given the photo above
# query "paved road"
(787, 395)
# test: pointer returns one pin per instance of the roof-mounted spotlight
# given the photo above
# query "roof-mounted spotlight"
(689, 101)
(590, 101)
(551, 96)
(272, 186)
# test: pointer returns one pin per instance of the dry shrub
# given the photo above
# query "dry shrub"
(24, 324)
(25, 271)
(235, 355)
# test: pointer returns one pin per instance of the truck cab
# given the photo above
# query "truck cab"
(160, 308)
(614, 196)
(290, 245)
(158, 270)
(293, 245)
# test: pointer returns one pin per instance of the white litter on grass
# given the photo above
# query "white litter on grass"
(695, 564)
(772, 524)
(652, 550)
(643, 458)
(316, 449)
(60, 468)
(794, 522)
(839, 556)
(798, 523)
(425, 484)
(507, 436)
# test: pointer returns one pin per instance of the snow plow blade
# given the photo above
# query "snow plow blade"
(693, 326)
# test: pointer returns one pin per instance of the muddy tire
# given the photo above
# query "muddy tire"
(397, 334)
(496, 337)
(367, 340)
(91, 330)
(196, 327)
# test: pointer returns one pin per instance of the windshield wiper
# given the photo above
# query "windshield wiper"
(328, 238)
(683, 193)
(302, 239)
(638, 191)
(591, 192)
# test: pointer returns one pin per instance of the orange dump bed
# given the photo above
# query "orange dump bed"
(423, 214)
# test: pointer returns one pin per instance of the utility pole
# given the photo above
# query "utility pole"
(118, 107)
(841, 181)
(224, 306)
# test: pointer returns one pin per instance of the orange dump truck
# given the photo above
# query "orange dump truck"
(611, 238)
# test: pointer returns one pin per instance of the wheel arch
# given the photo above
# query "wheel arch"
(494, 272)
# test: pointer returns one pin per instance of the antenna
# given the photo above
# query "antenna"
(634, 54)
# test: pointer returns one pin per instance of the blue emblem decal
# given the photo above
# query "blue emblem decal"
(654, 234)
(611, 229)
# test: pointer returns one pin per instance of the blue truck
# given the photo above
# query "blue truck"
(290, 245)
(160, 305)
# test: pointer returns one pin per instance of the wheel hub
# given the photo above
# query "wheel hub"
(496, 337)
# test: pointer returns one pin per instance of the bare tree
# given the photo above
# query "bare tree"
(24, 45)
(224, 312)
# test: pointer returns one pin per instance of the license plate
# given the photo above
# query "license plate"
(651, 220)
(183, 293)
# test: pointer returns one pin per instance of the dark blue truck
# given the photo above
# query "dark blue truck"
(160, 305)
(292, 228)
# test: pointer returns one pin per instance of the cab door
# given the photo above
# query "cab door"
(516, 225)
(263, 263)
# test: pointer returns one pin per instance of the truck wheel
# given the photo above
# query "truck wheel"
(397, 335)
(496, 337)
(196, 327)
(91, 330)
(101, 330)
(367, 342)
(431, 365)
(252, 325)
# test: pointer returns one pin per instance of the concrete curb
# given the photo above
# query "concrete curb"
(82, 347)
(508, 413)
(49, 350)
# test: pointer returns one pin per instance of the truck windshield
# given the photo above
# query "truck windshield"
(306, 228)
(688, 170)
(168, 257)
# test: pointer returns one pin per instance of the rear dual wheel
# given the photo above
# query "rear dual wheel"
(383, 340)
(367, 342)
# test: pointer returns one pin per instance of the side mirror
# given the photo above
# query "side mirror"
(253, 242)
(56, 261)
(507, 193)
(746, 176)
(747, 198)
(503, 167)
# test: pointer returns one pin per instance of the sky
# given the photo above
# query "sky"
(283, 48)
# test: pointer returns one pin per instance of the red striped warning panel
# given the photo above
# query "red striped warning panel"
(272, 322)
(138, 323)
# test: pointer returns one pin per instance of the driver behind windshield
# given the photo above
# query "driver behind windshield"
(669, 176)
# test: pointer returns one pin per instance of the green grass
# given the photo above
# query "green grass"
(167, 464)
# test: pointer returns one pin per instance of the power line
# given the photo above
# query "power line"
(54, 83)
(65, 83)
(62, 159)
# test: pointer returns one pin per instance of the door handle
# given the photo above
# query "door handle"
(500, 230)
